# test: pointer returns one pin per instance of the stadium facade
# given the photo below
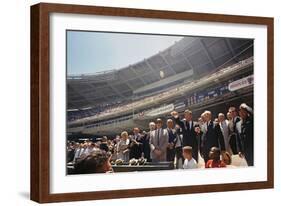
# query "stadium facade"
(196, 73)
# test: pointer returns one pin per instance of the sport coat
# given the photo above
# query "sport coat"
(159, 139)
(212, 137)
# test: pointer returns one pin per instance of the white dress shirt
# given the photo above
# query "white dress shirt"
(190, 164)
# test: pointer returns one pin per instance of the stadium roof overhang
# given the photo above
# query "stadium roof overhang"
(189, 57)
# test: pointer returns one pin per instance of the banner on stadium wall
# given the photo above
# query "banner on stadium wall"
(241, 83)
(160, 110)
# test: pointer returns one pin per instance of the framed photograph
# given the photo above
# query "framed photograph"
(132, 102)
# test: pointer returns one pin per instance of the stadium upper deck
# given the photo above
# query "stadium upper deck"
(187, 60)
(242, 67)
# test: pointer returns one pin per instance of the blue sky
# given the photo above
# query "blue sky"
(91, 52)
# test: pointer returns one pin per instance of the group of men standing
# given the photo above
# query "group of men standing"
(233, 135)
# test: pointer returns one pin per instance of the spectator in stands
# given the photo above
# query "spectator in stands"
(158, 142)
(214, 159)
(234, 131)
(171, 142)
(84, 148)
(96, 162)
(70, 151)
(247, 132)
(136, 144)
(110, 145)
(77, 151)
(123, 147)
(103, 145)
(211, 137)
(225, 131)
(115, 144)
(189, 135)
(90, 148)
(189, 161)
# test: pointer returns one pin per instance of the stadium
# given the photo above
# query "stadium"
(195, 73)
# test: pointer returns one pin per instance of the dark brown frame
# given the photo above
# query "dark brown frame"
(40, 96)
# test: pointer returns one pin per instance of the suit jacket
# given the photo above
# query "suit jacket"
(159, 140)
(146, 146)
(178, 140)
(172, 135)
(247, 137)
(234, 136)
(225, 131)
(136, 150)
(189, 134)
(70, 155)
(212, 137)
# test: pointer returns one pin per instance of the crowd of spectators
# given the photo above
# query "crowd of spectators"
(207, 142)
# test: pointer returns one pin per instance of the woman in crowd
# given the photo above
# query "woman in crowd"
(123, 147)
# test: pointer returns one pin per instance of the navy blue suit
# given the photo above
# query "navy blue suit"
(212, 137)
(189, 136)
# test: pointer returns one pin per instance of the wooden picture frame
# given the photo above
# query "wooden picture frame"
(40, 98)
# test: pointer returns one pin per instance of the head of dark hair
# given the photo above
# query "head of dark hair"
(187, 111)
(159, 120)
(214, 154)
(93, 163)
(227, 158)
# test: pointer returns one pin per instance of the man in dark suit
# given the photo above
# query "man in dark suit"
(172, 138)
(189, 135)
(247, 133)
(212, 137)
(136, 144)
(104, 144)
(178, 147)
(234, 133)
(145, 141)
(71, 149)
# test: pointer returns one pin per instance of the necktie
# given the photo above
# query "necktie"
(158, 139)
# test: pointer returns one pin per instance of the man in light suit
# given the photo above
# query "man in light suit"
(234, 130)
(225, 131)
(159, 139)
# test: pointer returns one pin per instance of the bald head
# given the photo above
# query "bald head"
(152, 126)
